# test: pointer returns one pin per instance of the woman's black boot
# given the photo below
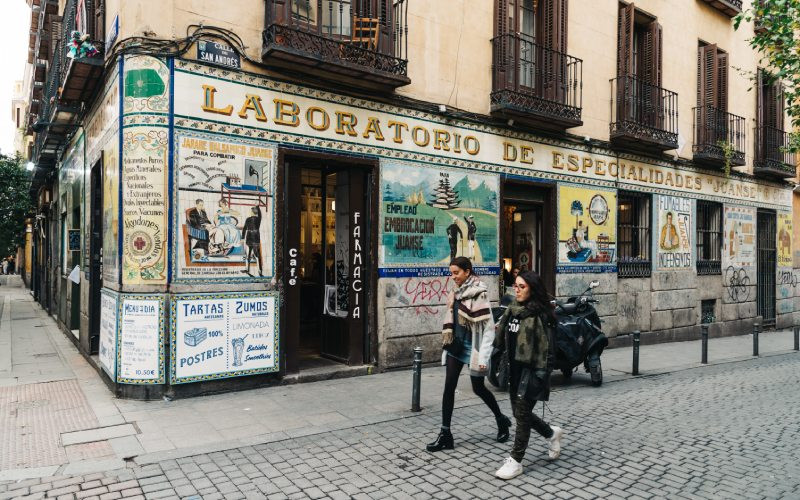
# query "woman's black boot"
(503, 426)
(444, 441)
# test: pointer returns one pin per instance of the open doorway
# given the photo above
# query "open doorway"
(528, 233)
(95, 256)
(328, 264)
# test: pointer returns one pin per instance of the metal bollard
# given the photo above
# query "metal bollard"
(756, 329)
(704, 352)
(417, 369)
(797, 338)
(636, 339)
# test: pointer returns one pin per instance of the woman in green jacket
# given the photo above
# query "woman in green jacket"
(524, 331)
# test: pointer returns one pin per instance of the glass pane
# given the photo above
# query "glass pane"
(305, 11)
(336, 17)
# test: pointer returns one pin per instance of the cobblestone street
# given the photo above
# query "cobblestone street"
(724, 431)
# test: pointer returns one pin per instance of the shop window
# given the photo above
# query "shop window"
(633, 235)
(709, 237)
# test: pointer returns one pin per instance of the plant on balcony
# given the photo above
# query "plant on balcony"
(727, 152)
(777, 44)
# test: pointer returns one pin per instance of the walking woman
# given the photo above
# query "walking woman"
(523, 331)
(467, 338)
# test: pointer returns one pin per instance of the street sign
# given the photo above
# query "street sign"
(219, 54)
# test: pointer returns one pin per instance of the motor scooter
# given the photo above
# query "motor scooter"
(577, 339)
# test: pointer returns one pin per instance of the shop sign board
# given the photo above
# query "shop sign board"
(223, 335)
(784, 239)
(108, 332)
(587, 229)
(239, 101)
(429, 215)
(225, 218)
(674, 233)
(141, 339)
(739, 249)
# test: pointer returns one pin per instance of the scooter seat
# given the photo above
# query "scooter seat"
(567, 309)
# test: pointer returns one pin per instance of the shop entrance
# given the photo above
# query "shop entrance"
(327, 264)
(528, 232)
(95, 256)
(766, 250)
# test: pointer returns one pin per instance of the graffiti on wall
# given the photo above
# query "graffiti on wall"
(784, 239)
(587, 229)
(225, 209)
(737, 284)
(739, 249)
(674, 246)
(431, 215)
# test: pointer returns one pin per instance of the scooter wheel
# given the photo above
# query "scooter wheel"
(597, 375)
(567, 373)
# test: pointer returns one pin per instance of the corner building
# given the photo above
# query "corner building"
(279, 193)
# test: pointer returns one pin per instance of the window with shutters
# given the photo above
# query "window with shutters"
(709, 237)
(633, 235)
(534, 79)
(644, 113)
(715, 129)
(771, 156)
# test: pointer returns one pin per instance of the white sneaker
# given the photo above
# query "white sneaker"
(555, 442)
(510, 469)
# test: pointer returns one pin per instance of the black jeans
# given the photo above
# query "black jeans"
(526, 420)
(453, 370)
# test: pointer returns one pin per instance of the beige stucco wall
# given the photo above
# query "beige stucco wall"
(450, 51)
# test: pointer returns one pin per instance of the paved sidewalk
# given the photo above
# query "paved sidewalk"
(57, 418)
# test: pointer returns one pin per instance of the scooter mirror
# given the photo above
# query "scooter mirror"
(594, 284)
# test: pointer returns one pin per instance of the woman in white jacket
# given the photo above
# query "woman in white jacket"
(467, 338)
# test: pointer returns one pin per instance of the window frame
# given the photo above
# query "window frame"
(708, 267)
(635, 267)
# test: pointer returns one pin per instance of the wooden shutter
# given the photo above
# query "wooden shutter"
(553, 14)
(779, 104)
(625, 40)
(722, 81)
(501, 25)
(651, 54)
(707, 74)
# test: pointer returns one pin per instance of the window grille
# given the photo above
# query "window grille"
(633, 235)
(709, 237)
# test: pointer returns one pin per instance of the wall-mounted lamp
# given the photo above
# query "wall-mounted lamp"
(517, 217)
(30, 166)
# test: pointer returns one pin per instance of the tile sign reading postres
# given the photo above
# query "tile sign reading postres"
(218, 335)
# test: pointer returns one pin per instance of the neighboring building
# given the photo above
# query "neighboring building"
(284, 192)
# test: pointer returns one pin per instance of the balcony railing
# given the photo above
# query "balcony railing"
(772, 157)
(643, 115)
(728, 7)
(360, 42)
(717, 135)
(535, 84)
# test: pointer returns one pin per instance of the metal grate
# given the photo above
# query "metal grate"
(707, 311)
(633, 235)
(767, 266)
(709, 237)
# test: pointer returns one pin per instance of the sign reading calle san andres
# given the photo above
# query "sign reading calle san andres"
(244, 100)
(223, 335)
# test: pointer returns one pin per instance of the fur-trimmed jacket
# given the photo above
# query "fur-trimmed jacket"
(475, 315)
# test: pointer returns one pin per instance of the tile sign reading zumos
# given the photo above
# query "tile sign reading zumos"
(430, 215)
(674, 244)
(223, 335)
(224, 217)
(587, 229)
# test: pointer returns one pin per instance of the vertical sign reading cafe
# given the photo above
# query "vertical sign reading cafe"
(144, 170)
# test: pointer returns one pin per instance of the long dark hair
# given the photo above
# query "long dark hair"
(539, 298)
(464, 264)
